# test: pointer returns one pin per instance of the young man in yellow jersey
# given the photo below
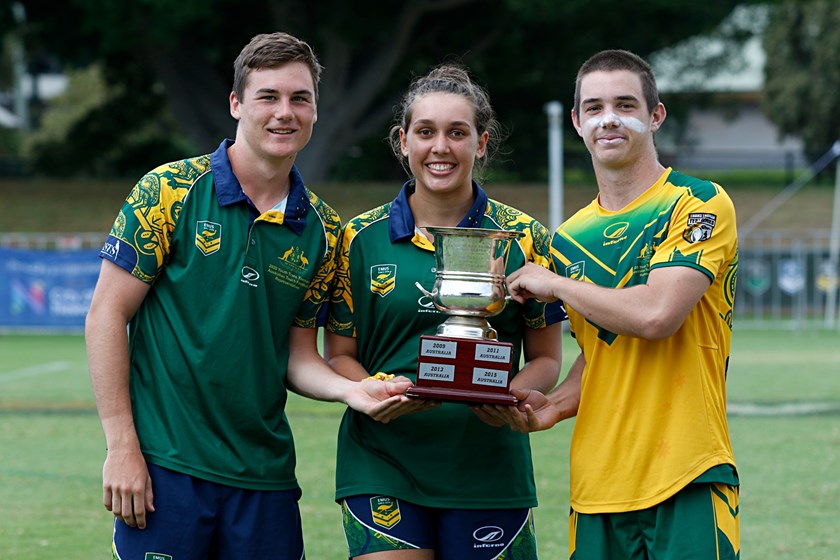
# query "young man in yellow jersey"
(647, 274)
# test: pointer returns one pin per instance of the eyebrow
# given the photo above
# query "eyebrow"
(451, 123)
(616, 98)
(298, 92)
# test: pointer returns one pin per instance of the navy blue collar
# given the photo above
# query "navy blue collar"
(229, 191)
(401, 221)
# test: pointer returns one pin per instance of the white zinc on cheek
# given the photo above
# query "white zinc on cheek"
(611, 119)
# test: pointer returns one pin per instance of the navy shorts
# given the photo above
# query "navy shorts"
(195, 519)
(381, 523)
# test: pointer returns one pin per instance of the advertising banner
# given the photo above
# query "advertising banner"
(46, 290)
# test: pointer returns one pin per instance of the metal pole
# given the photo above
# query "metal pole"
(554, 110)
(834, 245)
(19, 68)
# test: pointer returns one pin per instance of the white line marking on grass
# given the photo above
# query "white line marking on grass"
(33, 371)
(782, 409)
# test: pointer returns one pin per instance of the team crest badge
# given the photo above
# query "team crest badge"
(208, 237)
(295, 257)
(383, 278)
(699, 227)
(385, 511)
(575, 271)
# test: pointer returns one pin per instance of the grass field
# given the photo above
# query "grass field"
(51, 452)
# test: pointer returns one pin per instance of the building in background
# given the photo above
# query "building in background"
(716, 85)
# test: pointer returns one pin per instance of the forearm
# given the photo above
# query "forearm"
(624, 311)
(107, 347)
(349, 367)
(565, 398)
(313, 377)
(540, 374)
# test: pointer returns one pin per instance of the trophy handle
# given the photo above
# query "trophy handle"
(431, 294)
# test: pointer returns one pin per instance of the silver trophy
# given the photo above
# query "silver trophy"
(464, 361)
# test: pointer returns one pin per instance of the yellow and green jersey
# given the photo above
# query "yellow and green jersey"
(209, 344)
(653, 412)
(445, 457)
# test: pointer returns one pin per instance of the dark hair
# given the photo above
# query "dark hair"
(270, 50)
(455, 79)
(610, 60)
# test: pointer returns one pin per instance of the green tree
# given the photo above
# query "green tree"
(802, 74)
(175, 56)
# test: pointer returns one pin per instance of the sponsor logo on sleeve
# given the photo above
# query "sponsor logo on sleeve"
(699, 227)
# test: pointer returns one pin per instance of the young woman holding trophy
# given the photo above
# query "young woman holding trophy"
(441, 480)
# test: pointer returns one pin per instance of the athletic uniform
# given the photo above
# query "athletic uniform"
(652, 417)
(445, 457)
(209, 344)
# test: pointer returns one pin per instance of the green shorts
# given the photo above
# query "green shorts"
(700, 522)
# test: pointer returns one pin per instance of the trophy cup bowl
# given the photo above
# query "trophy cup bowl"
(464, 361)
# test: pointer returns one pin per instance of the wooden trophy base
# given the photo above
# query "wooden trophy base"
(456, 369)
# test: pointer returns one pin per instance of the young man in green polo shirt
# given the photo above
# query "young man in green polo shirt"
(219, 265)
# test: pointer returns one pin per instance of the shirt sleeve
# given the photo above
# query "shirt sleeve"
(701, 234)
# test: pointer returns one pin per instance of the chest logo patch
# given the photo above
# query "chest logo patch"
(616, 233)
(383, 278)
(385, 511)
(576, 271)
(699, 227)
(295, 257)
(208, 237)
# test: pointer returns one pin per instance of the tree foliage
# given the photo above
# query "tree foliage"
(802, 74)
(175, 57)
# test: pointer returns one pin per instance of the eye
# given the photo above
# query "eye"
(424, 132)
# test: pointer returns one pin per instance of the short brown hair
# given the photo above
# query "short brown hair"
(270, 50)
(609, 60)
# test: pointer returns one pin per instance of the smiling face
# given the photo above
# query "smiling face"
(277, 111)
(614, 120)
(442, 143)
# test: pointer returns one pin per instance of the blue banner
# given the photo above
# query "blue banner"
(46, 289)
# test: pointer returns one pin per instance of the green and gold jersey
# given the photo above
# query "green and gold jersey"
(445, 457)
(209, 344)
(653, 412)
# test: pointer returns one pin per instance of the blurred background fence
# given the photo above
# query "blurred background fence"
(784, 280)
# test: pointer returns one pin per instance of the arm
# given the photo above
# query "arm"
(342, 354)
(543, 355)
(311, 376)
(125, 477)
(654, 310)
(541, 412)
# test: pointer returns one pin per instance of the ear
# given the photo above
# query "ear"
(403, 143)
(576, 122)
(234, 106)
(481, 149)
(657, 117)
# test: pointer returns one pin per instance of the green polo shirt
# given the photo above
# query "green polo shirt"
(445, 457)
(209, 344)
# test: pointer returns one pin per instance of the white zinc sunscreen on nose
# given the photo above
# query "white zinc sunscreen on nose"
(611, 119)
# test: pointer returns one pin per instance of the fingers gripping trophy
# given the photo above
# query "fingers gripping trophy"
(464, 361)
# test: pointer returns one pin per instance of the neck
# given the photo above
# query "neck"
(265, 182)
(443, 210)
(618, 187)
